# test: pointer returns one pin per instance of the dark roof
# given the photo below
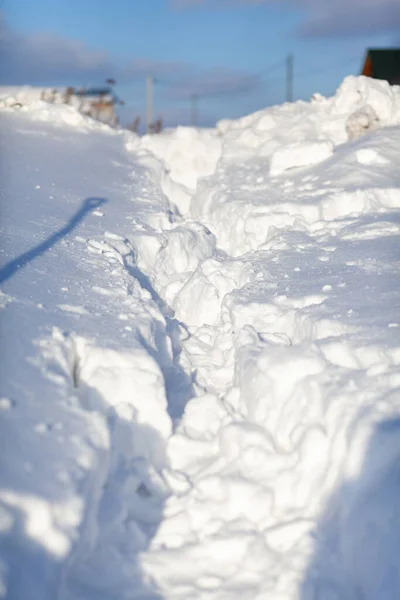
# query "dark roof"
(384, 64)
(103, 91)
(98, 93)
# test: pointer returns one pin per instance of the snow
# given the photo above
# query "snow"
(187, 152)
(58, 104)
(299, 155)
(200, 354)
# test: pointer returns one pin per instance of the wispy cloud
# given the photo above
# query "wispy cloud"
(324, 18)
(50, 60)
(182, 80)
(186, 3)
(45, 57)
(217, 82)
(343, 18)
(171, 70)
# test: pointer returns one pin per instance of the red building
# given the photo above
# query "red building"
(383, 63)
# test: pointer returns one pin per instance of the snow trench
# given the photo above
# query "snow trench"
(294, 392)
(281, 384)
(238, 435)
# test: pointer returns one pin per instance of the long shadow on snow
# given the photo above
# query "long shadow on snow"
(357, 546)
(21, 261)
(178, 385)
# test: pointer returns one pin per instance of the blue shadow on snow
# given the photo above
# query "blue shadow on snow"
(357, 538)
(21, 261)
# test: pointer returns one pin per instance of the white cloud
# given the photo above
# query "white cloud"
(140, 67)
(348, 18)
(182, 80)
(217, 82)
(45, 57)
(325, 18)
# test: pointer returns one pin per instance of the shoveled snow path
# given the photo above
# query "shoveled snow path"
(285, 328)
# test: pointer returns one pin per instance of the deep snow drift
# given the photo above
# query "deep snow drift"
(200, 354)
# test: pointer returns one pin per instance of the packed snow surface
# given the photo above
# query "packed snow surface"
(200, 350)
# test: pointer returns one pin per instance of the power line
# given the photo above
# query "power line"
(211, 94)
(263, 73)
(271, 68)
(288, 74)
(308, 73)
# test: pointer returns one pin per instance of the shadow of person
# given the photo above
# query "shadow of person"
(21, 261)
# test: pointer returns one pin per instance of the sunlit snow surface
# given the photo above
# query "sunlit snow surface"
(200, 350)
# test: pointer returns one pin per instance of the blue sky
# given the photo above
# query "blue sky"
(221, 50)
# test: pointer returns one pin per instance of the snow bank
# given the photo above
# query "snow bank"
(285, 340)
(322, 118)
(185, 153)
(87, 393)
(286, 141)
(55, 105)
(27, 95)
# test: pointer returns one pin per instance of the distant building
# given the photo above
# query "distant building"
(98, 103)
(383, 63)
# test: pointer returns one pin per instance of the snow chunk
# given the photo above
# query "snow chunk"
(358, 92)
(188, 153)
(361, 121)
(299, 155)
(370, 156)
(125, 379)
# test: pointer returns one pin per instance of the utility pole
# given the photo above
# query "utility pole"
(194, 98)
(149, 102)
(289, 78)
